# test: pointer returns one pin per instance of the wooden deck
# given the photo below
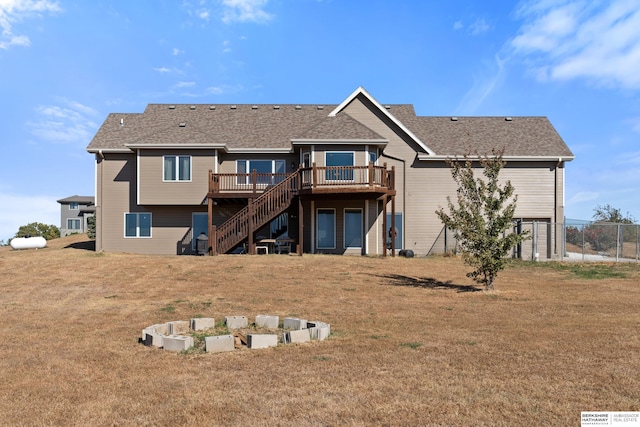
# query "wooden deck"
(313, 180)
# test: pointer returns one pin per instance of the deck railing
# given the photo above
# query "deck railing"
(313, 177)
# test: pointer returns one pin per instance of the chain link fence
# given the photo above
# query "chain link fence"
(604, 242)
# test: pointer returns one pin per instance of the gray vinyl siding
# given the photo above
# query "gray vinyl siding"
(155, 191)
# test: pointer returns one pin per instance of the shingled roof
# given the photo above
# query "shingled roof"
(275, 127)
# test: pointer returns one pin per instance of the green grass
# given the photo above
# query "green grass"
(589, 271)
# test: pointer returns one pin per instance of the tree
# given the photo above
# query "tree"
(608, 213)
(91, 227)
(482, 217)
(38, 229)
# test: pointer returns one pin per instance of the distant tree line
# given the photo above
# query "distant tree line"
(602, 234)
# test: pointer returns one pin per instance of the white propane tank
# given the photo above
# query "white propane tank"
(28, 242)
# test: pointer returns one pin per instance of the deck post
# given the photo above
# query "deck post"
(371, 174)
(300, 226)
(314, 175)
(254, 179)
(384, 225)
(214, 240)
(210, 225)
(252, 246)
(393, 226)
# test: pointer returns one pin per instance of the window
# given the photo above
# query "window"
(137, 224)
(74, 206)
(373, 156)
(264, 169)
(326, 229)
(333, 161)
(177, 168)
(73, 224)
(353, 228)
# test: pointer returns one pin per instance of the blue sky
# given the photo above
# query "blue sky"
(64, 65)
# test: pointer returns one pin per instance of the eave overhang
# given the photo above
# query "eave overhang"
(441, 158)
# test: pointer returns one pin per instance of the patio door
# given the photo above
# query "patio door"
(199, 224)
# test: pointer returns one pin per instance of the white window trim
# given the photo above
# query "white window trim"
(177, 171)
(137, 236)
(335, 220)
(344, 228)
(72, 204)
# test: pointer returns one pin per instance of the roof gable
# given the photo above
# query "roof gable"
(340, 127)
(360, 91)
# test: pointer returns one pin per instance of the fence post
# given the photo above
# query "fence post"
(583, 227)
(617, 241)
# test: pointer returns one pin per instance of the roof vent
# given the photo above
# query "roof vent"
(183, 124)
(121, 122)
(233, 107)
(320, 107)
(212, 107)
(298, 107)
(172, 107)
(276, 107)
(254, 107)
(388, 107)
(193, 107)
(508, 119)
(454, 119)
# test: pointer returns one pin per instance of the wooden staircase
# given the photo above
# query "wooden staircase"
(256, 214)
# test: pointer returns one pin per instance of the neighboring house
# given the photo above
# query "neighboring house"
(74, 212)
(332, 179)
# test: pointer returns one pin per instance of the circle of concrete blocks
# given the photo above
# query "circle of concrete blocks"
(171, 336)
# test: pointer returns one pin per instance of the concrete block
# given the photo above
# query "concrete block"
(151, 338)
(264, 321)
(298, 336)
(177, 342)
(319, 334)
(219, 344)
(160, 328)
(236, 322)
(178, 327)
(293, 323)
(255, 341)
(202, 323)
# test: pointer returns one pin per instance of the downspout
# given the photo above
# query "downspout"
(404, 197)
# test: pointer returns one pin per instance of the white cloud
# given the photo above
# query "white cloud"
(162, 70)
(484, 84)
(597, 41)
(223, 89)
(184, 84)
(458, 25)
(583, 196)
(479, 26)
(21, 209)
(245, 11)
(226, 46)
(14, 11)
(71, 122)
(176, 51)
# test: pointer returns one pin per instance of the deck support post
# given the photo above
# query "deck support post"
(300, 226)
(394, 230)
(210, 225)
(252, 246)
(384, 225)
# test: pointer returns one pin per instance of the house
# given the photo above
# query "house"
(357, 177)
(74, 212)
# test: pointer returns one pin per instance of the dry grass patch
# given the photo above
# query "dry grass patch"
(412, 341)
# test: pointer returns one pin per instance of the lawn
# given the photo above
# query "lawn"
(413, 341)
